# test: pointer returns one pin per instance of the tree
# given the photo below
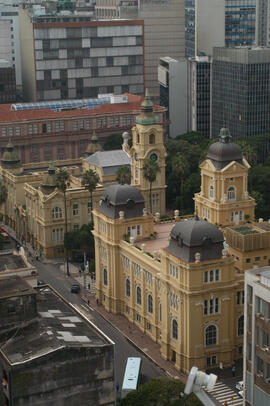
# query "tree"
(161, 392)
(123, 175)
(180, 167)
(150, 171)
(249, 152)
(62, 183)
(113, 141)
(90, 180)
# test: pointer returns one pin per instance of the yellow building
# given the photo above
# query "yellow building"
(224, 198)
(147, 142)
(175, 281)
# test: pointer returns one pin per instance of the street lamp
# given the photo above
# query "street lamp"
(196, 381)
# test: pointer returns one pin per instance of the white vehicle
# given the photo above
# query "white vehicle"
(240, 393)
(240, 385)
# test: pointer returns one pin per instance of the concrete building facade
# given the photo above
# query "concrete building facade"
(81, 59)
(164, 30)
(241, 89)
(257, 332)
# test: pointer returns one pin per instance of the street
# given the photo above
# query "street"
(51, 274)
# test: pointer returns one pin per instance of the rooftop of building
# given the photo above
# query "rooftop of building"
(249, 236)
(57, 325)
(133, 105)
(110, 161)
(160, 239)
(10, 261)
(14, 286)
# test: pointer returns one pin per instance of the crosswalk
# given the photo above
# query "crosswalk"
(223, 393)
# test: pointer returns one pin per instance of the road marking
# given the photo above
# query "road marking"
(87, 307)
(223, 393)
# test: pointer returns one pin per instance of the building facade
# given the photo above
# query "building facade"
(41, 132)
(204, 26)
(224, 198)
(240, 91)
(240, 22)
(164, 30)
(7, 82)
(81, 59)
(178, 288)
(257, 332)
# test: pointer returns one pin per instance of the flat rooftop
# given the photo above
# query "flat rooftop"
(162, 239)
(57, 325)
(14, 286)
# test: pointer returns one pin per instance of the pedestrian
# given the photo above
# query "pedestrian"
(88, 302)
(233, 370)
(97, 301)
(117, 386)
(88, 286)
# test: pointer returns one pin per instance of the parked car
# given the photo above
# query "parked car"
(241, 393)
(75, 289)
(240, 385)
(40, 282)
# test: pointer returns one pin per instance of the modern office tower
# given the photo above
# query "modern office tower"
(67, 59)
(9, 37)
(241, 91)
(164, 26)
(262, 23)
(199, 94)
(172, 77)
(240, 22)
(257, 337)
(7, 82)
(204, 26)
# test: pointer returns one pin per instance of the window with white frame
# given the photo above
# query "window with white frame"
(211, 306)
(173, 269)
(87, 124)
(105, 277)
(103, 252)
(148, 278)
(211, 335)
(4, 131)
(75, 209)
(10, 131)
(49, 127)
(211, 276)
(89, 208)
(17, 131)
(240, 326)
(75, 125)
(81, 124)
(76, 227)
(128, 287)
(210, 361)
(174, 301)
(231, 193)
(125, 262)
(136, 269)
(57, 213)
(206, 213)
(57, 235)
(155, 200)
(102, 227)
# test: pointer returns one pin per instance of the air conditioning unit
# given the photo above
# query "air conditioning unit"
(266, 349)
(267, 380)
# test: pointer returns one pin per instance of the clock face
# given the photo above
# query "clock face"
(136, 156)
(154, 157)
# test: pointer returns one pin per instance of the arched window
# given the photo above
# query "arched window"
(150, 304)
(211, 335)
(240, 326)
(139, 295)
(151, 138)
(175, 329)
(56, 213)
(211, 192)
(105, 277)
(231, 193)
(138, 138)
(127, 287)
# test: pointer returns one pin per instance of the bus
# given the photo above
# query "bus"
(131, 376)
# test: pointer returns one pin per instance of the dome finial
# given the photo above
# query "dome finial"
(224, 135)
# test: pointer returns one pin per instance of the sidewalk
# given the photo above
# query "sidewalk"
(140, 340)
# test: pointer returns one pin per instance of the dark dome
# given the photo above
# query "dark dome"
(224, 151)
(189, 237)
(122, 198)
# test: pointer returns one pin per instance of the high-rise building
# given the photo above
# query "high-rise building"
(240, 22)
(257, 337)
(241, 91)
(7, 82)
(67, 59)
(164, 30)
(204, 26)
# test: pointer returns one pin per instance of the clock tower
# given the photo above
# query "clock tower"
(147, 142)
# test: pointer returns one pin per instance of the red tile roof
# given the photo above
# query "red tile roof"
(133, 105)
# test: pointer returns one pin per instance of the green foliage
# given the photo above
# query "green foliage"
(62, 180)
(150, 171)
(159, 392)
(123, 175)
(81, 240)
(113, 141)
(90, 180)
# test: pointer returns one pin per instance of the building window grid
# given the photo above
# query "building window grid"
(57, 213)
(211, 306)
(173, 271)
(127, 287)
(211, 276)
(211, 335)
(75, 209)
(175, 329)
(240, 297)
(150, 303)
